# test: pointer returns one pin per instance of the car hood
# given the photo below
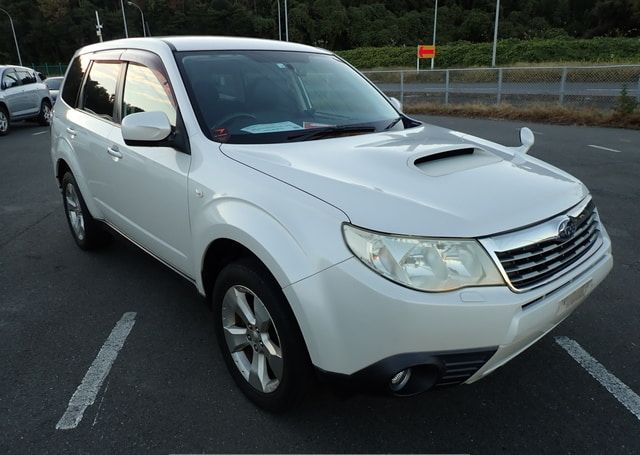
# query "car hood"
(427, 181)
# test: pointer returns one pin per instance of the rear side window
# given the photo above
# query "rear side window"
(26, 77)
(147, 90)
(74, 80)
(100, 89)
(10, 79)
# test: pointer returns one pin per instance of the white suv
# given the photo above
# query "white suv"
(23, 96)
(334, 236)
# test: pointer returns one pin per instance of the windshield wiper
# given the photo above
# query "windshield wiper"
(330, 131)
(392, 124)
(327, 114)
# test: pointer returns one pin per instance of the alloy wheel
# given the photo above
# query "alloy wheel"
(47, 113)
(252, 339)
(74, 211)
(4, 122)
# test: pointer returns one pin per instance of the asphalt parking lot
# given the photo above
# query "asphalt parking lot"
(169, 391)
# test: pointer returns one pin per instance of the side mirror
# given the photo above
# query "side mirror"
(396, 103)
(527, 139)
(145, 128)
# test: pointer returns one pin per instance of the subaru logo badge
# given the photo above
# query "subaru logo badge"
(567, 229)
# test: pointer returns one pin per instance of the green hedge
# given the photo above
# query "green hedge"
(465, 54)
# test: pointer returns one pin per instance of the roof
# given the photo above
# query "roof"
(3, 67)
(201, 43)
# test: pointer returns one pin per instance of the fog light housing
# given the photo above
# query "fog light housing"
(400, 379)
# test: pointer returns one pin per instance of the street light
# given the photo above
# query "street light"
(286, 21)
(124, 19)
(279, 22)
(14, 35)
(144, 33)
(495, 34)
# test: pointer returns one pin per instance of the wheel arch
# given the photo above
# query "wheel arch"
(64, 162)
(219, 253)
(223, 251)
(233, 243)
(61, 168)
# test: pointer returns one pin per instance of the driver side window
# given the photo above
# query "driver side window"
(147, 90)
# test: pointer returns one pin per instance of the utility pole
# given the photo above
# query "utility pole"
(495, 34)
(435, 27)
(15, 39)
(98, 27)
(286, 21)
(124, 20)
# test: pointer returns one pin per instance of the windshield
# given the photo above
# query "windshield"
(53, 84)
(274, 96)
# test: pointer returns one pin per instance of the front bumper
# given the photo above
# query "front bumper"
(354, 322)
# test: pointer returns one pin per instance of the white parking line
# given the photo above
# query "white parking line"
(40, 132)
(604, 148)
(85, 394)
(627, 397)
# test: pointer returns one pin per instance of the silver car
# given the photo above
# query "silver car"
(23, 96)
(53, 84)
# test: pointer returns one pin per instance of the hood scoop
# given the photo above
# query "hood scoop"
(445, 154)
(454, 160)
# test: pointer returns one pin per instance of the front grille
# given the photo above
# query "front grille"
(460, 367)
(534, 264)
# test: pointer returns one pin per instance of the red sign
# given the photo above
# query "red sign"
(426, 51)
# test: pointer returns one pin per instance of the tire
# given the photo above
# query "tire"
(5, 123)
(272, 384)
(45, 115)
(86, 231)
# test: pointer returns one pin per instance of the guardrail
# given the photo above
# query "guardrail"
(597, 87)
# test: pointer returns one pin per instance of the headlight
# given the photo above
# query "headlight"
(425, 264)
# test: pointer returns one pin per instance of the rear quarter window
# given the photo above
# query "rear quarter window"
(73, 80)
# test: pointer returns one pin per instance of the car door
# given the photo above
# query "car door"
(91, 125)
(147, 193)
(12, 92)
(29, 91)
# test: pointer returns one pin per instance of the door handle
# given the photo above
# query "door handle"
(114, 152)
(71, 132)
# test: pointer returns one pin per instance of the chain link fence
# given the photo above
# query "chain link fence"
(50, 69)
(597, 87)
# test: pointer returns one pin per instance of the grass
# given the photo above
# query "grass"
(426, 65)
(543, 113)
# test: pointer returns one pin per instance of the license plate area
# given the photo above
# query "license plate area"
(573, 299)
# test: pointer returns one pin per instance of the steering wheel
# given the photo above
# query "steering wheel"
(227, 120)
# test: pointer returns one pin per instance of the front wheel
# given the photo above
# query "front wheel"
(259, 336)
(4, 121)
(46, 114)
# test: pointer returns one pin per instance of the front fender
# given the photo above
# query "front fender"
(290, 251)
